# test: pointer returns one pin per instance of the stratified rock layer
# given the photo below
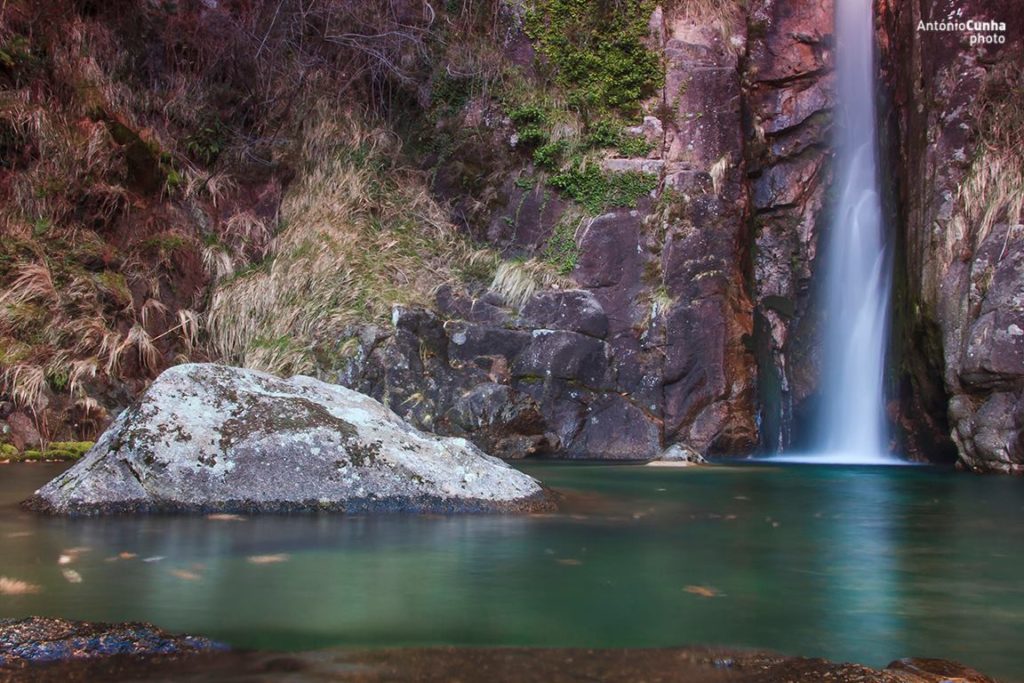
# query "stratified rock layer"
(215, 438)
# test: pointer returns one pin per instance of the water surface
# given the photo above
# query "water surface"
(850, 563)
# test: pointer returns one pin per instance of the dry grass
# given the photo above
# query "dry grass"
(717, 172)
(517, 281)
(993, 189)
(361, 235)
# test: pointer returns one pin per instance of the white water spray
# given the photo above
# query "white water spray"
(851, 429)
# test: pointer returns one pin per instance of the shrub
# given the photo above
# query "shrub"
(598, 52)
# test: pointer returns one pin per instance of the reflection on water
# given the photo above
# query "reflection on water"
(862, 564)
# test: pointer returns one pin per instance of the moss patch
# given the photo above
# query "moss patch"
(598, 190)
(55, 451)
(597, 50)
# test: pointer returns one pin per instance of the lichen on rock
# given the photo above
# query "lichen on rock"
(208, 438)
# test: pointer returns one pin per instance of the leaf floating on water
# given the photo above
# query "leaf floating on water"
(121, 556)
(268, 559)
(185, 574)
(702, 591)
(64, 559)
(224, 517)
(71, 575)
(570, 562)
(155, 558)
(18, 534)
(16, 587)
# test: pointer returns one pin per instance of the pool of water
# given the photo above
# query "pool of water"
(850, 563)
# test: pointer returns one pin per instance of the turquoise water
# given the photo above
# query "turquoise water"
(850, 563)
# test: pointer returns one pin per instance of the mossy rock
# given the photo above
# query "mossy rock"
(66, 450)
(145, 174)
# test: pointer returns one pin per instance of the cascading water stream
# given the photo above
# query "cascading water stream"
(851, 428)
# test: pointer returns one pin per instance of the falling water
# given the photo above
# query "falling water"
(852, 427)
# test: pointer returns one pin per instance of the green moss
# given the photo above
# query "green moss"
(8, 451)
(69, 450)
(561, 250)
(597, 190)
(58, 380)
(206, 143)
(115, 285)
(450, 93)
(164, 243)
(634, 146)
(525, 182)
(550, 156)
(597, 49)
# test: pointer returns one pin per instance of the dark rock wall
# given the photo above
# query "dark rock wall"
(962, 302)
(655, 345)
(790, 87)
(694, 317)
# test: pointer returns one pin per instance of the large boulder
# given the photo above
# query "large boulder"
(209, 438)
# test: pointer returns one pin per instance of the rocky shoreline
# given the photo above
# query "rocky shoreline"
(40, 649)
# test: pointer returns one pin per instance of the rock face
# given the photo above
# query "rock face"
(652, 344)
(38, 640)
(213, 438)
(791, 95)
(959, 172)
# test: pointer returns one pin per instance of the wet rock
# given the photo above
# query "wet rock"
(510, 665)
(938, 670)
(39, 640)
(565, 355)
(22, 432)
(678, 453)
(209, 438)
(791, 95)
(960, 323)
(616, 429)
(505, 422)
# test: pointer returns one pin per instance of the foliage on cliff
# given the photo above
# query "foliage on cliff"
(360, 234)
(144, 152)
(994, 188)
(598, 51)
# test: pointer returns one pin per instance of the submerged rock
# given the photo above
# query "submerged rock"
(209, 438)
(36, 640)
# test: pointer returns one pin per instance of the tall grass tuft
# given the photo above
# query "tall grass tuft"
(993, 189)
(361, 233)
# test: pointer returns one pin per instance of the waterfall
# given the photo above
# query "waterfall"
(857, 268)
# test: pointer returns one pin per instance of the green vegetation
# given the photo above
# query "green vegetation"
(598, 52)
(363, 233)
(561, 250)
(54, 451)
(598, 190)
